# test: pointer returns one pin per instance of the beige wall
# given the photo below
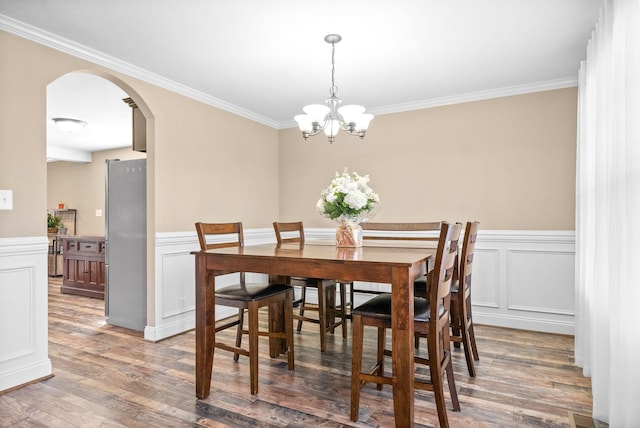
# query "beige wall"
(22, 134)
(82, 185)
(507, 162)
(204, 163)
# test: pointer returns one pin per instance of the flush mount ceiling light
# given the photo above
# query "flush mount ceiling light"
(351, 118)
(69, 125)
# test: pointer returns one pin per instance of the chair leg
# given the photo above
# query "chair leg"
(288, 329)
(352, 303)
(456, 319)
(330, 308)
(472, 335)
(343, 311)
(322, 315)
(236, 357)
(382, 339)
(452, 385)
(303, 301)
(472, 339)
(253, 346)
(356, 365)
(465, 328)
(468, 350)
(437, 380)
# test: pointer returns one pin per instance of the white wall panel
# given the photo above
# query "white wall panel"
(178, 278)
(23, 311)
(486, 277)
(537, 281)
(17, 329)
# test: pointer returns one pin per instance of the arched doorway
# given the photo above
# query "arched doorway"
(76, 161)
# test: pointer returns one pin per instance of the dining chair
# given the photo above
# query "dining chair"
(250, 297)
(462, 333)
(328, 309)
(377, 232)
(431, 317)
(461, 316)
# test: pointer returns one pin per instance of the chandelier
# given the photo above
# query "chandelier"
(350, 118)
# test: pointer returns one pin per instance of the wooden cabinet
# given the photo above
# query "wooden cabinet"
(83, 266)
(139, 127)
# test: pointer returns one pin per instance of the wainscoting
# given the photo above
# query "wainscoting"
(521, 279)
(23, 311)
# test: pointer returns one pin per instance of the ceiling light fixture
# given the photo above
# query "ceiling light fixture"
(69, 125)
(351, 118)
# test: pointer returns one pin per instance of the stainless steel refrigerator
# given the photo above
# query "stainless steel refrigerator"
(126, 243)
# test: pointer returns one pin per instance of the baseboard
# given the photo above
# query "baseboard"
(523, 323)
(25, 375)
(155, 334)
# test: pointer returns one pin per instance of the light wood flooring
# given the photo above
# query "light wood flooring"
(106, 376)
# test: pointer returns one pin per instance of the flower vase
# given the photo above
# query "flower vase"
(349, 235)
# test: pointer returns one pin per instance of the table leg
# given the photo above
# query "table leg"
(205, 326)
(276, 324)
(276, 319)
(402, 347)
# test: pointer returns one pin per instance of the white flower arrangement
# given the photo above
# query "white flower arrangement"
(348, 198)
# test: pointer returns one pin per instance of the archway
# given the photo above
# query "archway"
(81, 177)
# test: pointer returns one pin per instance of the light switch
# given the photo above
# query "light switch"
(98, 213)
(6, 199)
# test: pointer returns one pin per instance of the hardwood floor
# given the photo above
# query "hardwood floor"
(110, 377)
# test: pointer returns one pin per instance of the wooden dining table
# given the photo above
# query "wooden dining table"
(395, 265)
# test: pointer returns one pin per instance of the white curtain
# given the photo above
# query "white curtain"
(607, 341)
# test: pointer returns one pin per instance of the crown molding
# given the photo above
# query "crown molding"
(468, 97)
(77, 50)
(67, 46)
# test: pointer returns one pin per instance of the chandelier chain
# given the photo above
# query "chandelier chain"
(333, 88)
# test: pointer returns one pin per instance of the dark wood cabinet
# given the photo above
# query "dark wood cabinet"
(83, 259)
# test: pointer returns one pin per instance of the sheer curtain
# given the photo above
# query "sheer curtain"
(607, 341)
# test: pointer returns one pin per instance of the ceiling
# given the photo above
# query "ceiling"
(266, 59)
(95, 101)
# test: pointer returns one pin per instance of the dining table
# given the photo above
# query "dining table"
(395, 265)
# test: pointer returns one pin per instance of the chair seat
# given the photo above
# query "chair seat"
(380, 307)
(249, 292)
